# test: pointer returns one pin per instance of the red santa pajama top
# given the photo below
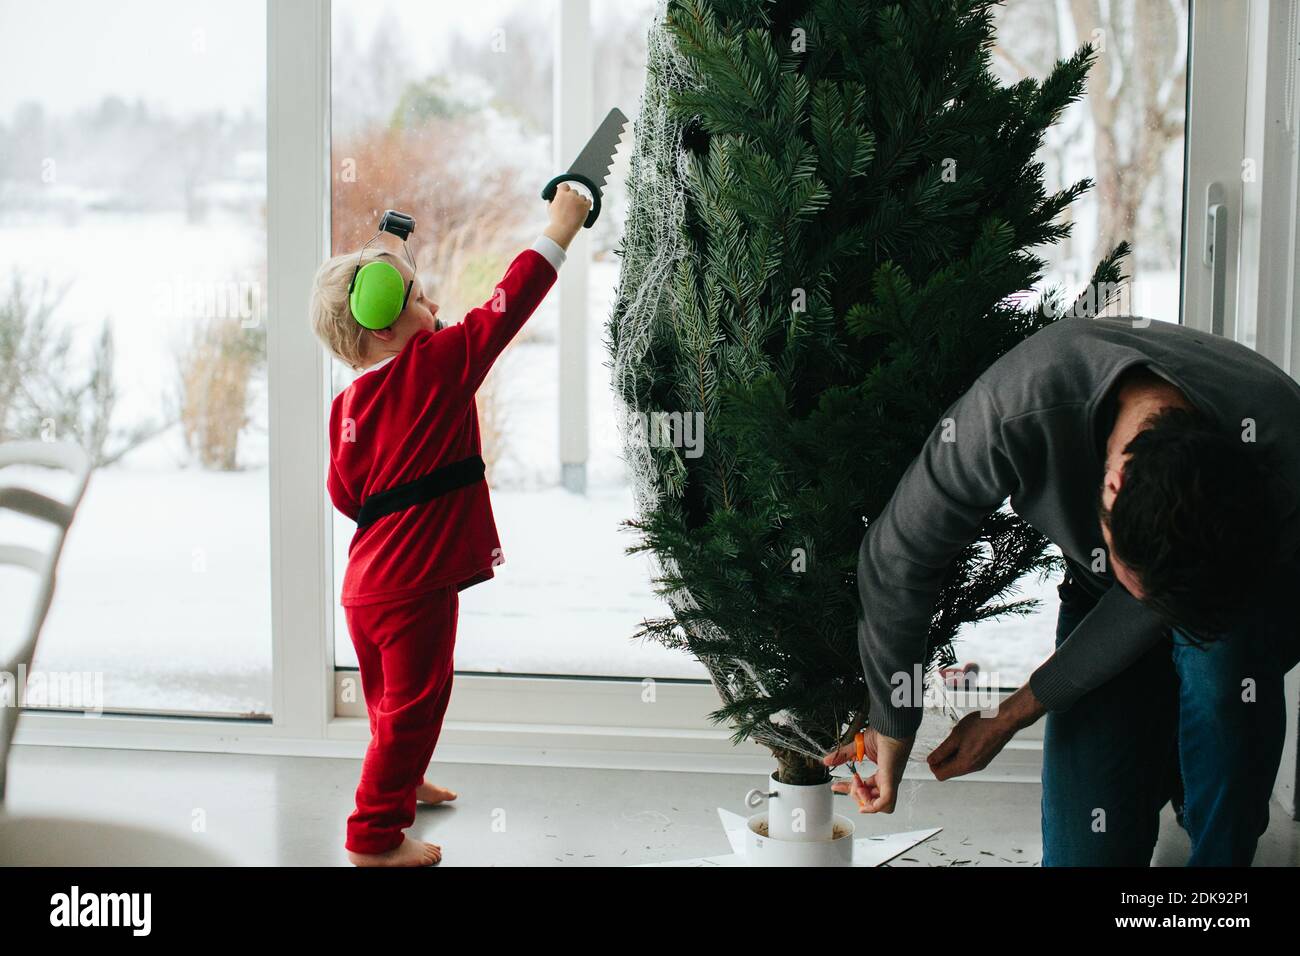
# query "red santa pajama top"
(415, 412)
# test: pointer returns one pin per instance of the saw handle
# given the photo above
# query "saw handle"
(549, 193)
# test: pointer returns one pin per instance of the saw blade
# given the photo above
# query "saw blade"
(597, 156)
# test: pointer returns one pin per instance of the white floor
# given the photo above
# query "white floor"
(291, 811)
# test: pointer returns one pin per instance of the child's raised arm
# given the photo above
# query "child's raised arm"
(487, 330)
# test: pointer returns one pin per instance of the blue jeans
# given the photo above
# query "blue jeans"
(1180, 724)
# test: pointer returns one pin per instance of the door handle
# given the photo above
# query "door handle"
(1215, 253)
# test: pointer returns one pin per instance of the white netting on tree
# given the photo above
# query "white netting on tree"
(652, 238)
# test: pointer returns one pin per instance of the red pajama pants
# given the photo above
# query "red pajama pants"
(404, 649)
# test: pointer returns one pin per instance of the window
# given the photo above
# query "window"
(458, 131)
(133, 245)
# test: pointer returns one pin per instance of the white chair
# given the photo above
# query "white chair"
(62, 841)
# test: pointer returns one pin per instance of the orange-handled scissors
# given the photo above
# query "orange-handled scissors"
(859, 751)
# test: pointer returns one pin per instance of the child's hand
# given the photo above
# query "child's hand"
(569, 211)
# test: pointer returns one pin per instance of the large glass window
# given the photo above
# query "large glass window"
(132, 302)
(132, 271)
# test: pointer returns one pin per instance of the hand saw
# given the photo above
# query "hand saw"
(591, 168)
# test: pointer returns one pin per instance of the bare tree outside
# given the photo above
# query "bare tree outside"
(1128, 132)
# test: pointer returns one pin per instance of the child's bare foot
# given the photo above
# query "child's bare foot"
(427, 792)
(407, 853)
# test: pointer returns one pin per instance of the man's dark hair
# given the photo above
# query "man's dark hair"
(1193, 520)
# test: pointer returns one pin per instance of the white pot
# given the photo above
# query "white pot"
(799, 827)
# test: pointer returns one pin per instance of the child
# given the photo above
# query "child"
(418, 543)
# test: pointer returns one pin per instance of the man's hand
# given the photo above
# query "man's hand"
(879, 792)
(855, 784)
(569, 211)
(977, 739)
(974, 742)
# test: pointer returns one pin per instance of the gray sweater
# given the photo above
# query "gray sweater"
(1032, 429)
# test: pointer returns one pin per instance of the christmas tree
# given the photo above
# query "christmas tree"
(833, 211)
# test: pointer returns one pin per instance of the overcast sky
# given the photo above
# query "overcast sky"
(195, 54)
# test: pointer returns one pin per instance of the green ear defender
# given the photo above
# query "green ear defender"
(378, 293)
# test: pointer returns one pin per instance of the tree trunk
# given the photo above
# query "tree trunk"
(798, 769)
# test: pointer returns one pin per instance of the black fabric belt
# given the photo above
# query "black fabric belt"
(438, 482)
